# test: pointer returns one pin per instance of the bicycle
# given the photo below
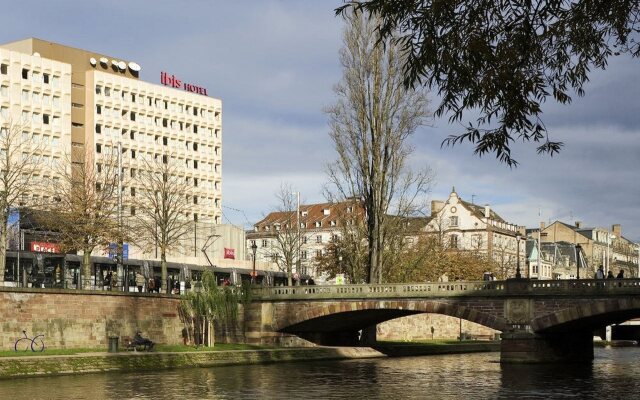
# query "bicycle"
(24, 343)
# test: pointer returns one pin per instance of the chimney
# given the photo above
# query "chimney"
(617, 230)
(436, 206)
(542, 226)
(578, 224)
(487, 211)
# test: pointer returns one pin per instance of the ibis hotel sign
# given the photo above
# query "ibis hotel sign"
(171, 80)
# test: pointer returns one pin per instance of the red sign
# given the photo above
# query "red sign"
(230, 253)
(44, 247)
(171, 80)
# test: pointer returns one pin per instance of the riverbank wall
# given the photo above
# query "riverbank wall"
(11, 367)
(31, 366)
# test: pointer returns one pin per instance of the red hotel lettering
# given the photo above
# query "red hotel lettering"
(171, 80)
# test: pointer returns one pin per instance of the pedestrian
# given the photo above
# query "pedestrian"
(610, 275)
(139, 281)
(620, 274)
(151, 285)
(600, 273)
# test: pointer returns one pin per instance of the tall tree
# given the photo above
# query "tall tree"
(163, 206)
(84, 207)
(370, 123)
(20, 160)
(504, 58)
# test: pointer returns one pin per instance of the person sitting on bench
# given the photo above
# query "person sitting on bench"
(138, 340)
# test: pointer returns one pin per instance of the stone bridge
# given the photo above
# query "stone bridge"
(540, 321)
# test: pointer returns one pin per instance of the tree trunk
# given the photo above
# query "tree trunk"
(86, 270)
(163, 265)
(3, 244)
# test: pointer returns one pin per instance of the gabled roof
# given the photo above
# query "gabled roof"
(478, 211)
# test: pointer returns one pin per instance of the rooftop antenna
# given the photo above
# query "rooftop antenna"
(473, 197)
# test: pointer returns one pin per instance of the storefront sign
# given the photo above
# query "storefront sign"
(230, 253)
(44, 247)
(171, 80)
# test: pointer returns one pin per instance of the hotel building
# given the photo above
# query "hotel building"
(84, 103)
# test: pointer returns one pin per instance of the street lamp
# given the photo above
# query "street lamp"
(578, 260)
(518, 275)
(254, 248)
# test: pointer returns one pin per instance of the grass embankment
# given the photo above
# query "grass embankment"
(158, 348)
(431, 347)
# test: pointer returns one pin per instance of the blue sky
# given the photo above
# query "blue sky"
(273, 64)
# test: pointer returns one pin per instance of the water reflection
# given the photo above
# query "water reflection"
(471, 376)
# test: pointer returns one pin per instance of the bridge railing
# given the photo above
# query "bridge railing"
(510, 288)
(402, 290)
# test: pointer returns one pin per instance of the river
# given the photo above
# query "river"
(615, 373)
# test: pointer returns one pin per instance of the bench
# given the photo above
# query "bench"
(130, 345)
(480, 336)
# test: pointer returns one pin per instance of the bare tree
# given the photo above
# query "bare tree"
(20, 161)
(370, 123)
(163, 207)
(285, 231)
(347, 252)
(84, 207)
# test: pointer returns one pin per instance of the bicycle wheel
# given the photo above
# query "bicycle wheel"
(37, 344)
(22, 344)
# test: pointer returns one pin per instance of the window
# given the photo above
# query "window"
(195, 199)
(165, 141)
(45, 78)
(133, 192)
(133, 116)
(98, 109)
(318, 253)
(318, 224)
(98, 89)
(454, 241)
(304, 240)
(4, 91)
(195, 164)
(25, 73)
(133, 172)
(133, 210)
(132, 135)
(98, 128)
(45, 119)
(319, 239)
(264, 243)
(453, 221)
(4, 69)
(98, 148)
(133, 154)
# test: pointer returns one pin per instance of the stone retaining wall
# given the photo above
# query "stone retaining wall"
(83, 319)
(418, 327)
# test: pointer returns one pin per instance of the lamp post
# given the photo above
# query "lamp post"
(578, 260)
(254, 249)
(518, 275)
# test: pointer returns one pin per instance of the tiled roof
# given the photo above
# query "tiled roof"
(311, 215)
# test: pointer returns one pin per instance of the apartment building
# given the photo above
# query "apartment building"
(305, 233)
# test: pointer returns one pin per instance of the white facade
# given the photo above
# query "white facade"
(35, 96)
(152, 120)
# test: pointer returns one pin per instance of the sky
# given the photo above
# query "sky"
(274, 64)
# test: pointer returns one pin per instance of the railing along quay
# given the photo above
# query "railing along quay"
(508, 288)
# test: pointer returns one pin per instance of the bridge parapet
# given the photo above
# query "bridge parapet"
(509, 288)
(404, 290)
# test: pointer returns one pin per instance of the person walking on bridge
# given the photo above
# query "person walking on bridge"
(600, 273)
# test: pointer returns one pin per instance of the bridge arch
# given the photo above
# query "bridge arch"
(588, 315)
(355, 315)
